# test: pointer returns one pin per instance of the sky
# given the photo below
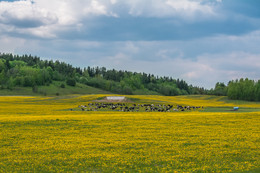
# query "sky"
(200, 41)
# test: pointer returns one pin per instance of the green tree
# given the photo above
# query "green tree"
(248, 90)
(220, 89)
(28, 81)
(10, 83)
(7, 64)
(50, 71)
(2, 78)
(2, 66)
(257, 91)
(71, 82)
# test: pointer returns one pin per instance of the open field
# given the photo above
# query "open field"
(52, 90)
(41, 134)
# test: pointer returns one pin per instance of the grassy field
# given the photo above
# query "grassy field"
(40, 134)
(52, 90)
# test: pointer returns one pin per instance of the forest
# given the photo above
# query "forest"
(32, 71)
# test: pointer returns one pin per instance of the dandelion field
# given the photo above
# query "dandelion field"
(41, 134)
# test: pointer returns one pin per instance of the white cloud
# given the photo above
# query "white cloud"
(62, 13)
(9, 44)
(61, 18)
(130, 47)
(98, 8)
(113, 1)
(185, 9)
(189, 7)
(24, 12)
(24, 17)
(45, 18)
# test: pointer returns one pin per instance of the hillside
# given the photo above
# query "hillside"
(53, 89)
(30, 75)
(20, 74)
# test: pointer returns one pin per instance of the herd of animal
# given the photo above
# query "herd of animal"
(126, 107)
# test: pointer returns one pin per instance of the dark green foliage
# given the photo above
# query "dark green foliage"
(71, 82)
(62, 85)
(31, 71)
(35, 88)
(7, 64)
(244, 89)
(257, 91)
(28, 81)
(169, 90)
(220, 89)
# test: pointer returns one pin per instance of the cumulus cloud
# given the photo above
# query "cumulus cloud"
(185, 9)
(24, 14)
(23, 17)
(51, 17)
(97, 8)
(45, 18)
(114, 19)
(189, 7)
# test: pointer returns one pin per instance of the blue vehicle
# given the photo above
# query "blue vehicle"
(235, 108)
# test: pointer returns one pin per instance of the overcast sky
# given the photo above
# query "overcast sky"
(200, 41)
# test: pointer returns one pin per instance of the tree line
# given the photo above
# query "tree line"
(31, 71)
(242, 89)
